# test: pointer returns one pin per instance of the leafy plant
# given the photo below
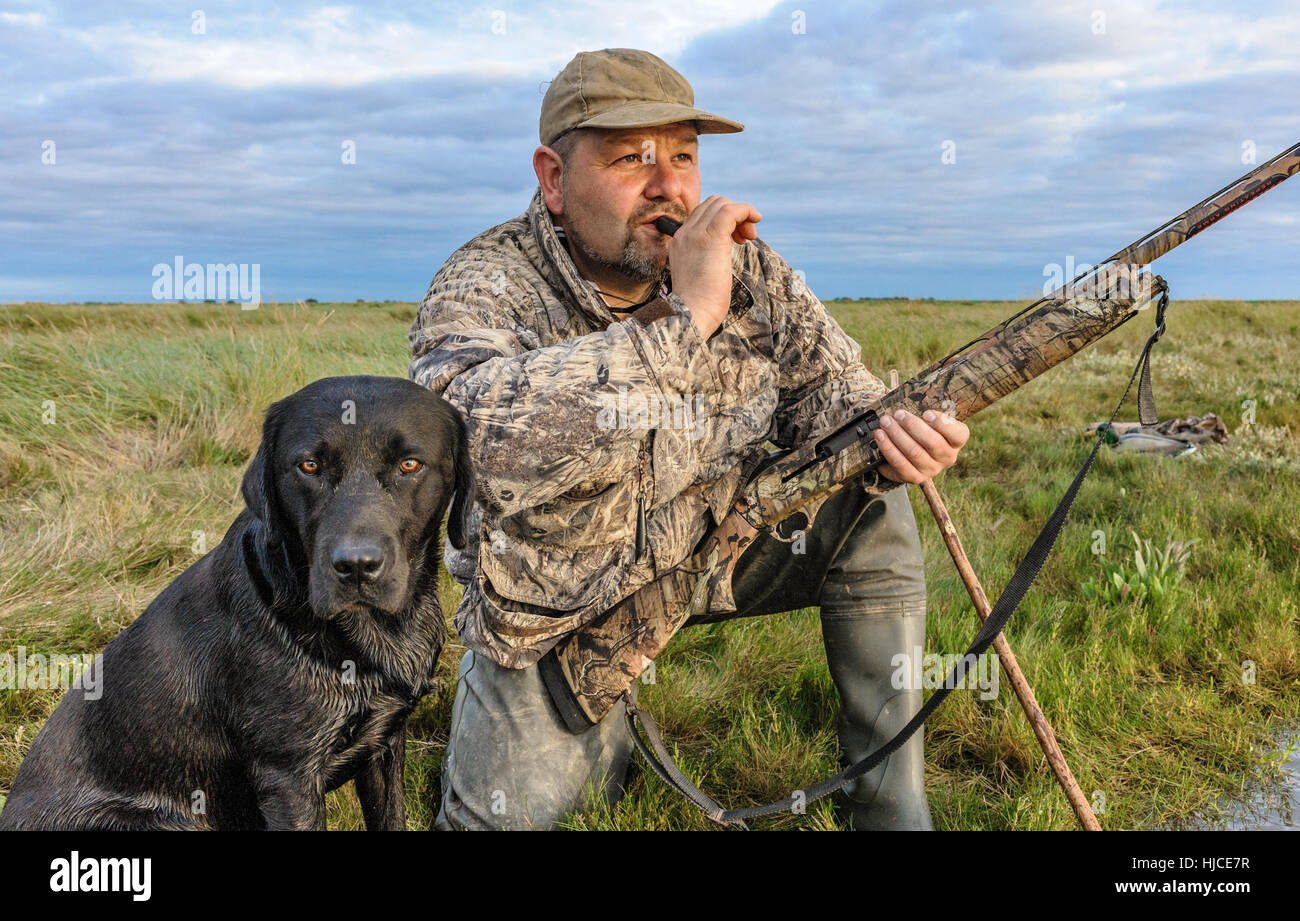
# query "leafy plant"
(1149, 580)
(1273, 763)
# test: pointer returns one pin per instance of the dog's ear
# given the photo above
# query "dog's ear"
(463, 491)
(260, 494)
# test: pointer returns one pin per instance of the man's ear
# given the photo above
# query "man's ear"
(260, 494)
(463, 491)
(549, 167)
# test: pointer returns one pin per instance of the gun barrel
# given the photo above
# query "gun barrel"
(1203, 214)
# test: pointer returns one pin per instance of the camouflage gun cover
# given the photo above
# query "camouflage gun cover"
(588, 671)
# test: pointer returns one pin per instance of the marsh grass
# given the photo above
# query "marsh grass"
(157, 411)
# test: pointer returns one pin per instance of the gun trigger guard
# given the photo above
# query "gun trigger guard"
(776, 535)
(809, 512)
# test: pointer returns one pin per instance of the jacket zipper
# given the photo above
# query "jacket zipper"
(641, 497)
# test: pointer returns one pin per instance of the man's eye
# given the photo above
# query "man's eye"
(309, 467)
(410, 465)
(629, 158)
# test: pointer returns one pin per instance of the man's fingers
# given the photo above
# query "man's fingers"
(744, 216)
(916, 453)
(919, 441)
(890, 473)
(930, 446)
(914, 449)
(900, 468)
(703, 213)
(736, 219)
(740, 212)
(955, 431)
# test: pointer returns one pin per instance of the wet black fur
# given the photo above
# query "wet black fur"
(253, 684)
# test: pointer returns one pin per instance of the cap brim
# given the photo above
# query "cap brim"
(650, 114)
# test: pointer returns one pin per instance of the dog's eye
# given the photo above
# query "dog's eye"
(309, 467)
(410, 465)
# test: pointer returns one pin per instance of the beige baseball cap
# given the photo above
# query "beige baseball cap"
(622, 88)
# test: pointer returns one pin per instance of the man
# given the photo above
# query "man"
(558, 335)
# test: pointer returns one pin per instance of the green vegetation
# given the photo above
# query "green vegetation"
(157, 410)
(1156, 573)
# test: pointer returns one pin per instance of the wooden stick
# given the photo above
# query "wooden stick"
(1007, 659)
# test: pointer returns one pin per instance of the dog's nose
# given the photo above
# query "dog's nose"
(360, 562)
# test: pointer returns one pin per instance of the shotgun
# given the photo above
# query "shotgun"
(587, 672)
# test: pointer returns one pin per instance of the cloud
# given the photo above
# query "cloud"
(1069, 140)
(350, 46)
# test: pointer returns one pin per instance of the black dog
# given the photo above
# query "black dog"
(285, 662)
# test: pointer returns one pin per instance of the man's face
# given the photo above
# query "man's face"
(616, 182)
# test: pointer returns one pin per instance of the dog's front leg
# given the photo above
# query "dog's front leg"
(289, 802)
(380, 785)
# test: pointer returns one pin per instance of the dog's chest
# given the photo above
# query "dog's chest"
(359, 731)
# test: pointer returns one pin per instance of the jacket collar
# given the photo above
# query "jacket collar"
(558, 269)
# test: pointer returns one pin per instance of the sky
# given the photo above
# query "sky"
(920, 149)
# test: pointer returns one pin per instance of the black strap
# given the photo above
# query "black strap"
(662, 764)
(1146, 399)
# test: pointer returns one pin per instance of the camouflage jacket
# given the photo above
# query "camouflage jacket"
(577, 419)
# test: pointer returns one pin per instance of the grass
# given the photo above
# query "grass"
(156, 412)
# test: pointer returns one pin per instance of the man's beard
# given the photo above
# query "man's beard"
(634, 263)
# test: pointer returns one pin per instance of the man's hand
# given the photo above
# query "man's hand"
(916, 450)
(700, 257)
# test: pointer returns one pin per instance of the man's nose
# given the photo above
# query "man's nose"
(664, 182)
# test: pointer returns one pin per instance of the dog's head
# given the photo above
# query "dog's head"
(354, 475)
